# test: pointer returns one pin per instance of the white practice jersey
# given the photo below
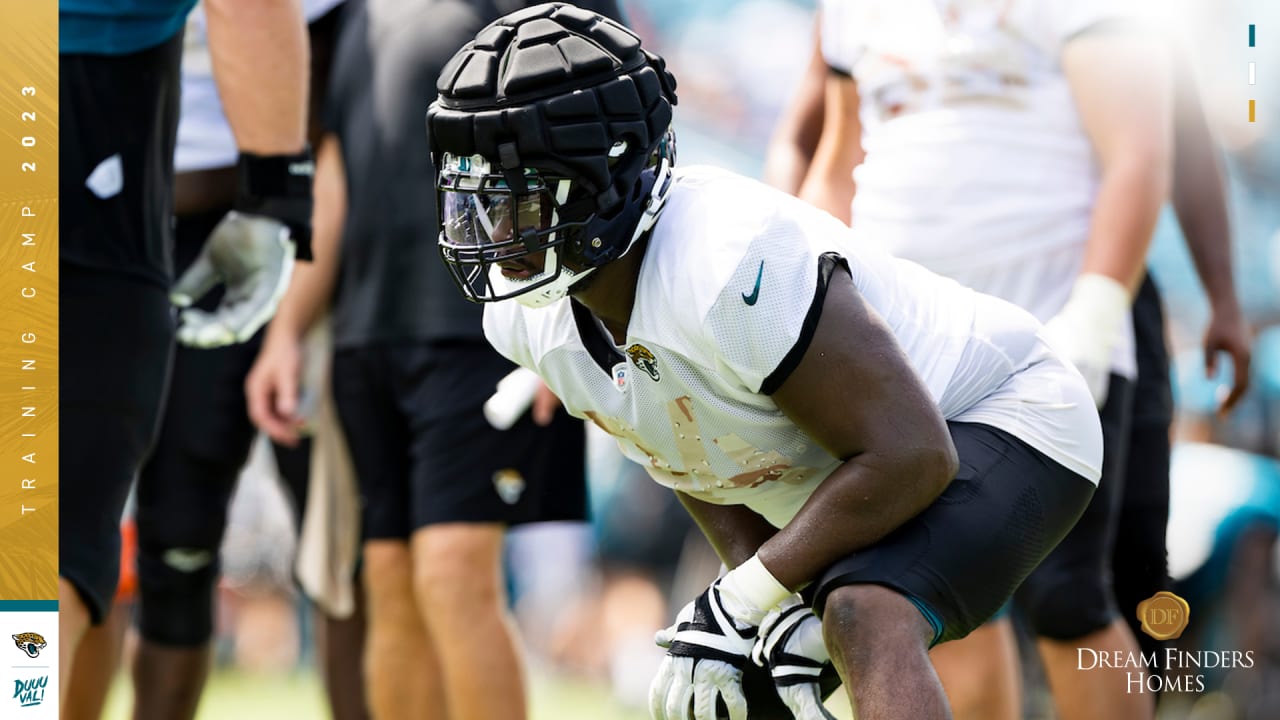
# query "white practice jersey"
(977, 165)
(722, 314)
(205, 141)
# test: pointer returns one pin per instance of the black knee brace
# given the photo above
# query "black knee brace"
(175, 594)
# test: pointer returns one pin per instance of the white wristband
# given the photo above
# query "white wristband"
(750, 591)
(1099, 303)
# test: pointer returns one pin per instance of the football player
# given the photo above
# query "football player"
(118, 100)
(862, 441)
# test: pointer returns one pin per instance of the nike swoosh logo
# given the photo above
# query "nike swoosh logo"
(755, 291)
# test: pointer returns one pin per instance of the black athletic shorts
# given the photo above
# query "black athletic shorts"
(1140, 559)
(962, 558)
(205, 436)
(1072, 592)
(119, 118)
(424, 453)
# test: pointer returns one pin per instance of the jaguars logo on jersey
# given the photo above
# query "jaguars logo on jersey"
(30, 643)
(644, 360)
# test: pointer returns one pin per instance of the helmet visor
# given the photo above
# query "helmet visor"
(494, 221)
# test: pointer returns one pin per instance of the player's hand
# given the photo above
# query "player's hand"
(253, 255)
(1086, 330)
(271, 388)
(545, 405)
(790, 645)
(1228, 333)
(706, 650)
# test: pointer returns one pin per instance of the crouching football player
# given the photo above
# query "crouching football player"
(897, 449)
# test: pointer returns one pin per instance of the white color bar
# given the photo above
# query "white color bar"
(1251, 74)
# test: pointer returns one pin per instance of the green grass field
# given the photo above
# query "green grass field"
(235, 696)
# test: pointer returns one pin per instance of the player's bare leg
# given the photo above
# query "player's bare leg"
(401, 670)
(73, 622)
(341, 646)
(879, 643)
(457, 569)
(96, 662)
(1099, 694)
(168, 680)
(980, 673)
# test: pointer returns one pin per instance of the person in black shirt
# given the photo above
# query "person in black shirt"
(439, 484)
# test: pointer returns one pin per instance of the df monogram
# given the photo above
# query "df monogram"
(1164, 615)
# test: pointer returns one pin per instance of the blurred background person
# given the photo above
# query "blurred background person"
(439, 481)
(988, 148)
(185, 487)
(118, 102)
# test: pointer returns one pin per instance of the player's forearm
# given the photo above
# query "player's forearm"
(311, 288)
(799, 130)
(864, 500)
(734, 531)
(261, 61)
(786, 165)
(1199, 198)
(1124, 217)
(831, 188)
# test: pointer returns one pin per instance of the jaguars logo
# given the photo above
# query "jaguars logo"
(509, 484)
(30, 643)
(644, 360)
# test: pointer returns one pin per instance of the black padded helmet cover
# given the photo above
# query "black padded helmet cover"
(555, 87)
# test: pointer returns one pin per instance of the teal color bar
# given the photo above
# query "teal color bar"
(1251, 36)
(8, 606)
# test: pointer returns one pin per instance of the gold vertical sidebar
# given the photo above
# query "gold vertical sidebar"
(1252, 114)
(29, 300)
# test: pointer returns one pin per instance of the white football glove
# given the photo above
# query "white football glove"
(254, 256)
(707, 648)
(1085, 331)
(790, 645)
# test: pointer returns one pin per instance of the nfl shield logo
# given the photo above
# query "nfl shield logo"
(620, 377)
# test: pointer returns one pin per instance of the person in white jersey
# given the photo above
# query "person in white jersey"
(1023, 149)
(900, 448)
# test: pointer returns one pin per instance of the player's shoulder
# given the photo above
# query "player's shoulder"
(713, 220)
(720, 238)
(707, 229)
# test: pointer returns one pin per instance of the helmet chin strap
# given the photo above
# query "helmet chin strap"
(657, 200)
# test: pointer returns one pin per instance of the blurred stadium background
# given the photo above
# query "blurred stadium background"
(737, 62)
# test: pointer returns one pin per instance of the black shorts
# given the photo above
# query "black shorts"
(118, 117)
(1072, 593)
(424, 453)
(115, 323)
(1140, 557)
(962, 558)
(116, 337)
(205, 438)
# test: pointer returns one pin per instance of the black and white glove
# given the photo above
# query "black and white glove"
(790, 645)
(709, 645)
(1087, 329)
(252, 251)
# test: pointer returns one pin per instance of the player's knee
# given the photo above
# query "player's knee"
(175, 594)
(1067, 606)
(863, 622)
(456, 571)
(387, 577)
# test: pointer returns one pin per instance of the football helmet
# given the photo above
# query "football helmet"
(552, 138)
